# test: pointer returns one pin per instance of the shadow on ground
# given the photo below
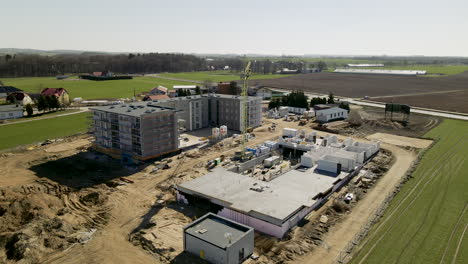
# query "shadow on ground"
(82, 170)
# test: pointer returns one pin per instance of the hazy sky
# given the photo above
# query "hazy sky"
(368, 27)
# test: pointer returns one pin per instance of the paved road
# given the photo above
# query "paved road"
(418, 110)
(82, 110)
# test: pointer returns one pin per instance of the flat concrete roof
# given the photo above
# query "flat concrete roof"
(278, 199)
(133, 109)
(213, 229)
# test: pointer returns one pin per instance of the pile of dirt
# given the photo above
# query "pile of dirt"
(42, 217)
(364, 121)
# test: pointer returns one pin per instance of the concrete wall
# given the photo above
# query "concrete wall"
(212, 253)
(246, 243)
(327, 165)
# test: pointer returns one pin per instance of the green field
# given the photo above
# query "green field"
(218, 76)
(91, 89)
(427, 220)
(36, 131)
(432, 70)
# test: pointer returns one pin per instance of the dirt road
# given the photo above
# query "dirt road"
(339, 235)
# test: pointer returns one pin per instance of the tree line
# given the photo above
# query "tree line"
(20, 65)
(299, 99)
(35, 65)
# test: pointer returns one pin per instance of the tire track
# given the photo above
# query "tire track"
(433, 206)
(453, 232)
(443, 158)
(459, 244)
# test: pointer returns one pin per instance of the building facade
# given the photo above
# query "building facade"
(135, 132)
(11, 111)
(331, 114)
(226, 110)
(219, 240)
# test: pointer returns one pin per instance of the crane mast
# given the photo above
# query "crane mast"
(244, 108)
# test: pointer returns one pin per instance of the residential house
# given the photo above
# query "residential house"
(155, 97)
(20, 97)
(61, 94)
(158, 90)
(6, 90)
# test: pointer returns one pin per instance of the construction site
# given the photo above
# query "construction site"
(269, 190)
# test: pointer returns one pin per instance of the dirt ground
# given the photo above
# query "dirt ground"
(400, 141)
(360, 85)
(366, 121)
(64, 203)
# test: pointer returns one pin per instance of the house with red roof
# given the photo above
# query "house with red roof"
(61, 94)
(155, 97)
(158, 90)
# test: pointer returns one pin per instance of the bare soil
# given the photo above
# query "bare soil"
(360, 85)
(64, 203)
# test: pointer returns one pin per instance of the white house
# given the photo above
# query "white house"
(330, 114)
(11, 111)
(264, 92)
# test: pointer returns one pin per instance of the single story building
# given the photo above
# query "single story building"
(11, 111)
(331, 114)
(219, 240)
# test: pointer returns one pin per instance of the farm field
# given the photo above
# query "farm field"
(36, 131)
(432, 70)
(218, 76)
(389, 87)
(428, 219)
(91, 89)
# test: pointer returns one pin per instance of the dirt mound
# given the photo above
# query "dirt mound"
(42, 217)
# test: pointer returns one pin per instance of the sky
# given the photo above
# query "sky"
(339, 27)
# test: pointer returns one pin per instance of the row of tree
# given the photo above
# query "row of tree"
(20, 65)
(293, 99)
(48, 103)
(299, 99)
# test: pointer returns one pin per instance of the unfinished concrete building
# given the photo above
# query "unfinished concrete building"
(219, 240)
(135, 132)
(200, 111)
(273, 205)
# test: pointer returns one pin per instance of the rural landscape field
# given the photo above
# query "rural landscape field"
(249, 132)
(427, 220)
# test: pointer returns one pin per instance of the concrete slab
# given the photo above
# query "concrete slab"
(273, 201)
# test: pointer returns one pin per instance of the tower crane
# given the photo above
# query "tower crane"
(244, 108)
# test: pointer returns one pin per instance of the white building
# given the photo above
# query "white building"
(265, 93)
(331, 114)
(11, 111)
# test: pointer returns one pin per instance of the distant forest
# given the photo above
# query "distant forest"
(40, 65)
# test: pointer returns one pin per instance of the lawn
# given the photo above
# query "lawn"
(218, 76)
(43, 115)
(427, 220)
(36, 131)
(91, 89)
(432, 70)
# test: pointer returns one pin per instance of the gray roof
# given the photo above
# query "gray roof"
(279, 199)
(133, 109)
(11, 108)
(213, 229)
(330, 111)
(9, 89)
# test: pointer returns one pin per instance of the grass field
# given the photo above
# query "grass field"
(427, 221)
(431, 69)
(91, 89)
(36, 131)
(43, 115)
(218, 76)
